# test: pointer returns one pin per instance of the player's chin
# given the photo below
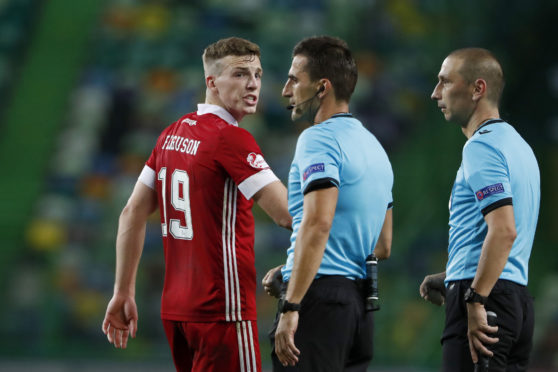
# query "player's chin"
(249, 110)
(295, 116)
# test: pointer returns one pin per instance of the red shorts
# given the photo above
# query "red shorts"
(219, 346)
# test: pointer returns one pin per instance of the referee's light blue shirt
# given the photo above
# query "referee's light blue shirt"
(498, 168)
(341, 152)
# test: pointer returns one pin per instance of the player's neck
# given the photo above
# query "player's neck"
(330, 108)
(212, 100)
(478, 118)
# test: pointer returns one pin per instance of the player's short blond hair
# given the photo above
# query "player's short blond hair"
(232, 46)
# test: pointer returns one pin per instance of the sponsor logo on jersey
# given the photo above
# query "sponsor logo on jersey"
(314, 168)
(256, 161)
(489, 190)
(485, 131)
(190, 122)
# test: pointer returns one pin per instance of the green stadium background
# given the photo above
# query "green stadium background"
(86, 86)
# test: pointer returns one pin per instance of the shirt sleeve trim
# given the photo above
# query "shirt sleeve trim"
(256, 182)
(497, 204)
(147, 177)
(322, 183)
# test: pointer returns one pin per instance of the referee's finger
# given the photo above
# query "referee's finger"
(280, 351)
(292, 351)
(473, 351)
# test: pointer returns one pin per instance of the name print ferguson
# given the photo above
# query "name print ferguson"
(178, 143)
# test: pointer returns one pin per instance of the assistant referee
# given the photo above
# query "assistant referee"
(494, 208)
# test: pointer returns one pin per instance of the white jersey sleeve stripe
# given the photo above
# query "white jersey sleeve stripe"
(238, 305)
(256, 182)
(225, 251)
(147, 177)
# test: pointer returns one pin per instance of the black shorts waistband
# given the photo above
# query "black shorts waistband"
(329, 281)
(500, 285)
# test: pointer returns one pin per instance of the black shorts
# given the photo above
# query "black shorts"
(513, 306)
(334, 332)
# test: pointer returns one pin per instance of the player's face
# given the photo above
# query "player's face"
(453, 93)
(299, 89)
(238, 85)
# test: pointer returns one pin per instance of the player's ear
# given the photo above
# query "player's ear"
(479, 89)
(210, 81)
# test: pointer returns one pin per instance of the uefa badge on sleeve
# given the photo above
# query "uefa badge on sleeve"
(489, 190)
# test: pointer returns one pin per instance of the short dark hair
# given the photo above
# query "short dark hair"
(330, 58)
(479, 63)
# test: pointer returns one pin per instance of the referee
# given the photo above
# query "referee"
(494, 208)
(340, 197)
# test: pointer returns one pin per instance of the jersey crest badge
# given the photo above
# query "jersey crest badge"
(256, 161)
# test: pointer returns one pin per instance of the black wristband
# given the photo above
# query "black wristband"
(283, 306)
(472, 296)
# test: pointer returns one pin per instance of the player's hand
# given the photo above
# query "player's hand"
(433, 289)
(121, 320)
(477, 332)
(272, 281)
(285, 348)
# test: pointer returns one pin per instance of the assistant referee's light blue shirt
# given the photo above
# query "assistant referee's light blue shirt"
(341, 152)
(498, 168)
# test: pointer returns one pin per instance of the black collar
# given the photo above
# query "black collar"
(492, 121)
(342, 115)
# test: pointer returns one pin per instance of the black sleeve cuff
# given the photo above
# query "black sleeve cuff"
(500, 203)
(390, 205)
(322, 183)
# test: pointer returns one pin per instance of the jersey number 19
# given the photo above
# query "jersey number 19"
(181, 204)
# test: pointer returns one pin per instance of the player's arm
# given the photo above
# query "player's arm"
(317, 218)
(382, 251)
(496, 248)
(272, 198)
(121, 316)
(494, 256)
(131, 235)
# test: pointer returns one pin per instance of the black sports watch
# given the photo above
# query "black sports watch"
(472, 296)
(283, 306)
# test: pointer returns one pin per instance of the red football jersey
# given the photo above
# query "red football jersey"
(198, 166)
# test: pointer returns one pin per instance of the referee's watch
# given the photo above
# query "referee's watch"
(284, 306)
(472, 296)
